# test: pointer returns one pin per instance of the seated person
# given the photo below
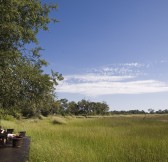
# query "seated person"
(2, 131)
(10, 135)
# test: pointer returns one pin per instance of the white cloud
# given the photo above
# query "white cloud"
(98, 88)
(109, 80)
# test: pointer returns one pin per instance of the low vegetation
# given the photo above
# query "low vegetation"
(118, 138)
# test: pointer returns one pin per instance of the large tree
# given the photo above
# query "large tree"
(25, 88)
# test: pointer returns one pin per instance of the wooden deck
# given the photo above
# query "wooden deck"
(12, 154)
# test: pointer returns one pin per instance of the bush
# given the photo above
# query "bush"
(41, 117)
(59, 120)
(9, 118)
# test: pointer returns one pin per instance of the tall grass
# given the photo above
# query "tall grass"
(109, 139)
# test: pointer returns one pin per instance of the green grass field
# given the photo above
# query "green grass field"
(96, 139)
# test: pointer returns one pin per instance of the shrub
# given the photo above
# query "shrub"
(59, 120)
(9, 118)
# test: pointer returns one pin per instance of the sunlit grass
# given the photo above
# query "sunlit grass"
(111, 139)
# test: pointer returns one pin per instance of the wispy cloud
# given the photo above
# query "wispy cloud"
(91, 77)
(132, 69)
(112, 79)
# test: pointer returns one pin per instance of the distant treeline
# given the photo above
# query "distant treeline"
(83, 107)
(86, 107)
(150, 111)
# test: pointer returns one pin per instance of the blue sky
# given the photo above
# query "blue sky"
(110, 50)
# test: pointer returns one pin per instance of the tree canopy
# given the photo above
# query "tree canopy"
(25, 88)
(83, 107)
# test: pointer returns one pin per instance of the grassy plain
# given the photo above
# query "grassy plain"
(96, 139)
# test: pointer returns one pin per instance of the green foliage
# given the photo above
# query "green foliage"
(82, 107)
(25, 89)
(9, 118)
(20, 21)
(5, 115)
(73, 108)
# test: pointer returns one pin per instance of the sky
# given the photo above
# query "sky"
(114, 51)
